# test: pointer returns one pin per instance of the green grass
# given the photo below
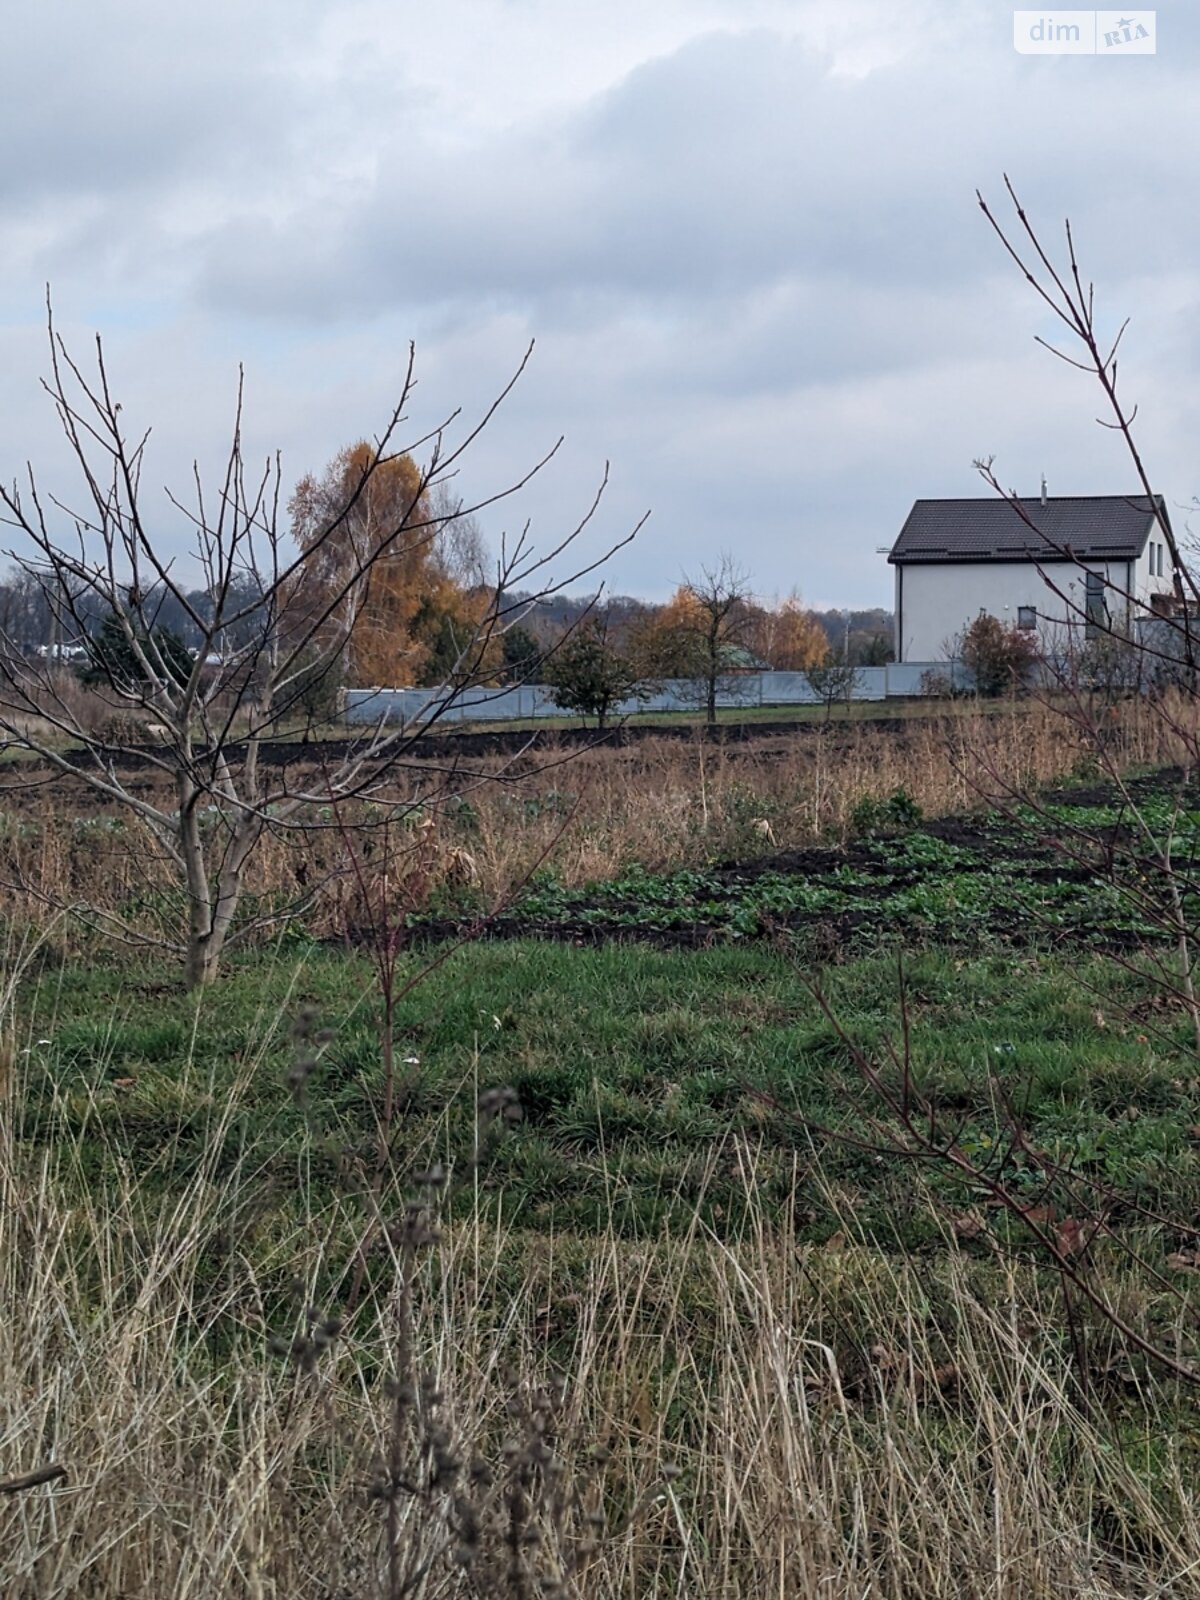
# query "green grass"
(644, 1071)
(676, 1188)
(679, 1105)
(637, 1069)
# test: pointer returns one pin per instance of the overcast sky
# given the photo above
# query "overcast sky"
(742, 232)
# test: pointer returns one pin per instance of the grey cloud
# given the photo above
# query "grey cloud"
(105, 97)
(736, 162)
(762, 290)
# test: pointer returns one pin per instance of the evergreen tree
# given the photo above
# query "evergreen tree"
(522, 655)
(113, 660)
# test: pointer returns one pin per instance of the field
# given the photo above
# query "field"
(628, 1273)
(959, 879)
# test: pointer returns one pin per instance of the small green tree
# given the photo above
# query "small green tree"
(522, 653)
(589, 674)
(316, 695)
(125, 657)
(445, 642)
(1001, 658)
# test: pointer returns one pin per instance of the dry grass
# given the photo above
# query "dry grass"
(666, 803)
(774, 1419)
(587, 815)
(669, 803)
(777, 1421)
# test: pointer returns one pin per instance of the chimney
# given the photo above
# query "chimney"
(1043, 488)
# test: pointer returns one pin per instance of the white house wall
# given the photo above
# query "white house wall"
(936, 601)
(1147, 581)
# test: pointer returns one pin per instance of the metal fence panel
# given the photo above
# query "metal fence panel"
(747, 690)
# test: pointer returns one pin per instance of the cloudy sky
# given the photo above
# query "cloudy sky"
(742, 232)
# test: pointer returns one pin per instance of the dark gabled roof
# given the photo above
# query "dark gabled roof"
(1099, 527)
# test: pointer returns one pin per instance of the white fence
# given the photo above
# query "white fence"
(751, 689)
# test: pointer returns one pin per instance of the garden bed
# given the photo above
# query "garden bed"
(1027, 878)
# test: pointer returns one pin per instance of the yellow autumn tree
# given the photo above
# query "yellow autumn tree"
(668, 641)
(787, 636)
(417, 613)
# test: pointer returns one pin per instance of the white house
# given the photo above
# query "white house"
(1086, 559)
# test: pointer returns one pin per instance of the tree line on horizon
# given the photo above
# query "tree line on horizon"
(429, 592)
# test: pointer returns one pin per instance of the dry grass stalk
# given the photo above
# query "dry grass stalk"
(774, 1419)
(660, 803)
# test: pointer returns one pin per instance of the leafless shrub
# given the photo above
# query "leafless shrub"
(1067, 1220)
(1114, 651)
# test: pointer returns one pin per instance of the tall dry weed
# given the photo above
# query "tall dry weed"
(659, 803)
(758, 1417)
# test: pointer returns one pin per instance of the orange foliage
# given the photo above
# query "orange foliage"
(671, 642)
(668, 642)
(411, 617)
(787, 637)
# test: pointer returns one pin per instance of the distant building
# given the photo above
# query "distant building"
(1094, 561)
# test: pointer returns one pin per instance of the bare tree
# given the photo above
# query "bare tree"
(1071, 302)
(717, 626)
(265, 634)
(1096, 675)
(832, 681)
(1125, 651)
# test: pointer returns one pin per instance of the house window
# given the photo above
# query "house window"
(1096, 608)
(1160, 559)
(1027, 617)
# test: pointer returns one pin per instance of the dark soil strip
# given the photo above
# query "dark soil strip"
(476, 744)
